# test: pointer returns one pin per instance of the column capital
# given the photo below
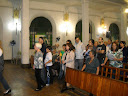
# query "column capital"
(84, 1)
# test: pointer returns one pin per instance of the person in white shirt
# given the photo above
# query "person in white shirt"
(48, 65)
(79, 50)
(108, 47)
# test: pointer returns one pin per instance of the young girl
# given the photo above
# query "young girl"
(38, 66)
(48, 65)
(2, 80)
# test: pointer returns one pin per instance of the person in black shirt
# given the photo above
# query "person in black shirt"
(43, 49)
(124, 50)
(101, 51)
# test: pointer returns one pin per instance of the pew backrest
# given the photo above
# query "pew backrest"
(119, 72)
(95, 84)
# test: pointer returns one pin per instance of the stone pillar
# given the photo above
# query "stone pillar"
(85, 21)
(124, 20)
(25, 33)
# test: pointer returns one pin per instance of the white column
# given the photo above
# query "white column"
(124, 18)
(25, 32)
(85, 21)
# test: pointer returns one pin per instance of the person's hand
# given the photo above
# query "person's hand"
(97, 51)
(63, 62)
(115, 59)
(33, 67)
(102, 64)
(45, 65)
(97, 73)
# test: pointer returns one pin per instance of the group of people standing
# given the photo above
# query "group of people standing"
(87, 58)
(95, 54)
(42, 64)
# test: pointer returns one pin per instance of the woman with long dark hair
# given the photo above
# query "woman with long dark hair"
(115, 56)
(68, 60)
(124, 50)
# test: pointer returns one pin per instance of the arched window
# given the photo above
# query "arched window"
(40, 27)
(78, 30)
(114, 31)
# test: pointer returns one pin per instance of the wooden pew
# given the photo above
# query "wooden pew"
(120, 72)
(95, 84)
(125, 65)
(32, 61)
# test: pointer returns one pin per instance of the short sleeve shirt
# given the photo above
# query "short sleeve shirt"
(61, 53)
(92, 67)
(47, 58)
(38, 60)
(118, 55)
(100, 55)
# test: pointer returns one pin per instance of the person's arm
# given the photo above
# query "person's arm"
(121, 59)
(49, 58)
(44, 49)
(100, 51)
(71, 57)
(83, 67)
(48, 62)
(106, 59)
(63, 57)
(98, 69)
(103, 50)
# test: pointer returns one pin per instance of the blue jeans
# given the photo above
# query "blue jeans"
(4, 82)
(49, 75)
(61, 73)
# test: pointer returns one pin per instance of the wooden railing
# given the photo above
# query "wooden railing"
(125, 65)
(95, 84)
(119, 73)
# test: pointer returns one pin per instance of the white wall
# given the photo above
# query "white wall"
(1, 30)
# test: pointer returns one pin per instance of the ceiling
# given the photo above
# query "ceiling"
(77, 2)
(102, 5)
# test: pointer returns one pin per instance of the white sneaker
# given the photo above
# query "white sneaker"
(47, 84)
(7, 91)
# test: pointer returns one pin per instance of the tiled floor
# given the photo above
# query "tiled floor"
(22, 82)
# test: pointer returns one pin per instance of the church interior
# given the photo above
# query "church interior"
(24, 22)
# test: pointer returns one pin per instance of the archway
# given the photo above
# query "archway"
(78, 30)
(40, 26)
(114, 32)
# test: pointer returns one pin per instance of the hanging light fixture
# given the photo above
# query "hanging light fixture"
(66, 25)
(102, 28)
(16, 15)
(126, 10)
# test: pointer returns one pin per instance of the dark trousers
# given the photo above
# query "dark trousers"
(38, 78)
(79, 64)
(49, 75)
(4, 82)
(43, 74)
